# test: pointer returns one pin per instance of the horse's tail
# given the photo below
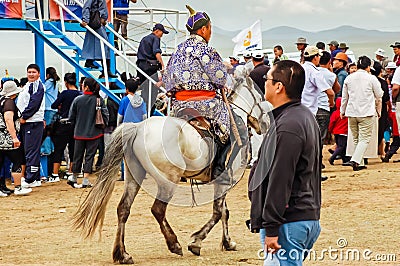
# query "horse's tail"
(91, 212)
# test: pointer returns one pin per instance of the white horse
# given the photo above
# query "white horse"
(165, 148)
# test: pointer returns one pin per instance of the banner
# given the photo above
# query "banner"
(10, 8)
(248, 39)
(74, 7)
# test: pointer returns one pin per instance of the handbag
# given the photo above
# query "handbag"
(6, 142)
(95, 21)
(99, 117)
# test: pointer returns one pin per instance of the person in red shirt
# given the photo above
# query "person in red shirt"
(338, 127)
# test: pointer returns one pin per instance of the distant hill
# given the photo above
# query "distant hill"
(361, 41)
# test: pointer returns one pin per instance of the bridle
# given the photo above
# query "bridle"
(257, 105)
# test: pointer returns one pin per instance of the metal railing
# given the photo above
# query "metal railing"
(105, 42)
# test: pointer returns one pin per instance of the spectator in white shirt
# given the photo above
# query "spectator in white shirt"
(361, 98)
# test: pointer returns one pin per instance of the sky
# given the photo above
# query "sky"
(308, 15)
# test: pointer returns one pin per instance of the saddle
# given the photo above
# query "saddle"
(195, 119)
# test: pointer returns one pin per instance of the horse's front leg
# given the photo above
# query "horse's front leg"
(159, 209)
(227, 243)
(197, 237)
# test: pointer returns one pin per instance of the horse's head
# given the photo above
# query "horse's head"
(247, 101)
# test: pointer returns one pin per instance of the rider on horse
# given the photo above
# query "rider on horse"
(193, 76)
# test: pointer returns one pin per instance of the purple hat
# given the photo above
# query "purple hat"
(196, 19)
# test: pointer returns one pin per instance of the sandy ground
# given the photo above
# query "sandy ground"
(359, 208)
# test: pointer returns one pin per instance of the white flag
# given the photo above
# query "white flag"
(248, 39)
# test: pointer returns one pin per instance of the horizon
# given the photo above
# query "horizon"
(317, 31)
(21, 54)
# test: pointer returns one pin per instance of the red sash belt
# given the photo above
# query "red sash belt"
(194, 95)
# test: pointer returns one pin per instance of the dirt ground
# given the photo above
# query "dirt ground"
(360, 209)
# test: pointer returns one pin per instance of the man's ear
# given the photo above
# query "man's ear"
(280, 89)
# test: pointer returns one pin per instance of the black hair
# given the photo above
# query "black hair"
(23, 81)
(70, 78)
(132, 85)
(124, 77)
(377, 69)
(325, 58)
(205, 25)
(34, 66)
(292, 76)
(52, 73)
(278, 47)
(92, 85)
(320, 45)
(363, 62)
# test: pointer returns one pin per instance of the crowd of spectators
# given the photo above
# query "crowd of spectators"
(55, 121)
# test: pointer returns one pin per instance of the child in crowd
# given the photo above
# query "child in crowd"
(279, 56)
(351, 68)
(132, 107)
(338, 127)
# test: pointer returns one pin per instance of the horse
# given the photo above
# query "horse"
(167, 149)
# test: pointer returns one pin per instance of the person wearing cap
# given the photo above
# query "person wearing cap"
(343, 48)
(9, 112)
(361, 93)
(389, 72)
(234, 61)
(121, 19)
(315, 82)
(193, 76)
(382, 58)
(279, 55)
(396, 51)
(149, 53)
(248, 66)
(301, 45)
(91, 49)
(259, 71)
(339, 68)
(334, 48)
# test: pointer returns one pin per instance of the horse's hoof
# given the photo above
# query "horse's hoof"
(177, 249)
(127, 261)
(194, 249)
(229, 246)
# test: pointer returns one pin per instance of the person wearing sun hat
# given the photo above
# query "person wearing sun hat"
(301, 45)
(193, 76)
(9, 113)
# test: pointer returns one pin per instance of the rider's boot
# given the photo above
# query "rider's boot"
(220, 175)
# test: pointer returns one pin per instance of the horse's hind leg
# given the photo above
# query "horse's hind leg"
(159, 209)
(227, 243)
(218, 208)
(132, 187)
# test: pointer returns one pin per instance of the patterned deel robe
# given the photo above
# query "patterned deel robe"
(196, 66)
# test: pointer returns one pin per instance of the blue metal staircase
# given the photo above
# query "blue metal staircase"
(52, 36)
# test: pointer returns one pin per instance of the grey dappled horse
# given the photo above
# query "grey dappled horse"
(165, 148)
